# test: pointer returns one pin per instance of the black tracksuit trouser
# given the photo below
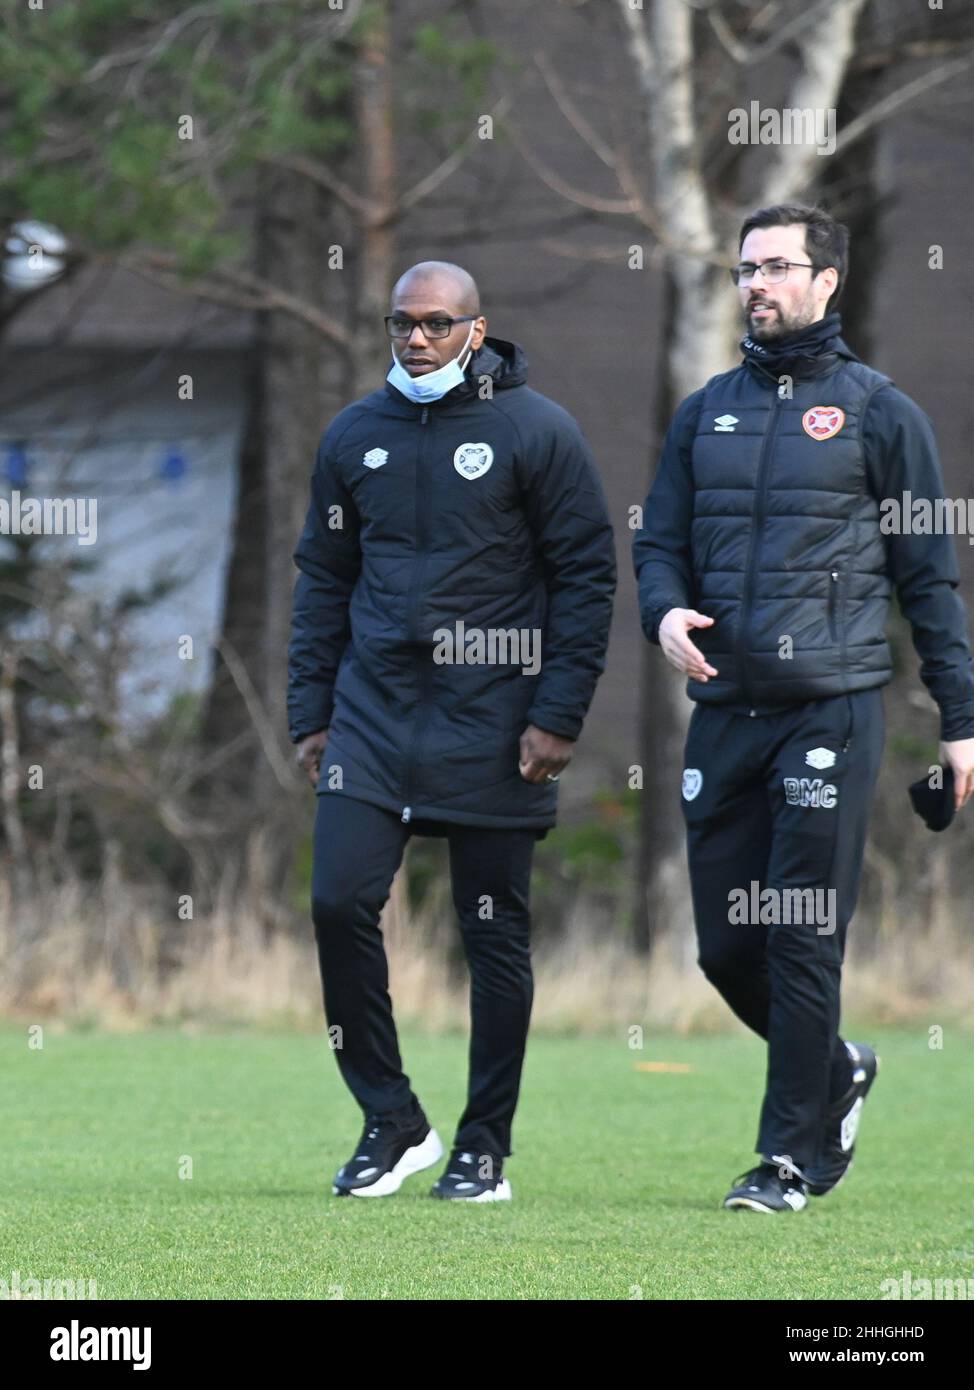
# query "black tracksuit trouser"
(357, 849)
(781, 801)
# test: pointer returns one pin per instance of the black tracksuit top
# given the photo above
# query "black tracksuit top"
(484, 507)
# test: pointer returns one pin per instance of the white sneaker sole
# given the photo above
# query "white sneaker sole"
(500, 1193)
(414, 1160)
(751, 1205)
(746, 1202)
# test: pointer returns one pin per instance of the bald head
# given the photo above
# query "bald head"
(439, 280)
(431, 291)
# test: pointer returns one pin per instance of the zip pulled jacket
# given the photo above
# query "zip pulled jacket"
(765, 514)
(457, 568)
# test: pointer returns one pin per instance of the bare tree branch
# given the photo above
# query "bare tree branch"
(825, 51)
(448, 166)
(246, 291)
(883, 109)
(284, 771)
(744, 54)
(570, 111)
(608, 253)
(145, 53)
(616, 207)
(904, 52)
(321, 175)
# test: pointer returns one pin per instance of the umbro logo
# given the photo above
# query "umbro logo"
(724, 424)
(375, 458)
(820, 757)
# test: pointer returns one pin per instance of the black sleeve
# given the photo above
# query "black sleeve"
(901, 456)
(661, 548)
(566, 509)
(329, 560)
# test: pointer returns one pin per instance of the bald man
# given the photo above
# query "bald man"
(451, 618)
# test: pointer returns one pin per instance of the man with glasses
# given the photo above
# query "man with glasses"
(763, 537)
(450, 623)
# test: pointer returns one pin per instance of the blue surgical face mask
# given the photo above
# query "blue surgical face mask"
(431, 385)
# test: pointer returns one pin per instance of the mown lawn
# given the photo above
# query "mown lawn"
(618, 1174)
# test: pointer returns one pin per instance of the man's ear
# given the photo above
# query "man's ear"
(829, 278)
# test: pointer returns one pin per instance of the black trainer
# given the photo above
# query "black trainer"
(386, 1155)
(471, 1177)
(769, 1187)
(842, 1124)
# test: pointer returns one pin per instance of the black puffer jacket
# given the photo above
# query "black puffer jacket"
(483, 508)
(765, 515)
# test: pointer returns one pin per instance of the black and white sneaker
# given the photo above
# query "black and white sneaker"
(386, 1155)
(769, 1187)
(842, 1124)
(471, 1177)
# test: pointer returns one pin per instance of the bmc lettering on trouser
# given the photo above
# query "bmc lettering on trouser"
(810, 791)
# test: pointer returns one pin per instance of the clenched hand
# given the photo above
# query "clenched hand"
(542, 755)
(310, 752)
(959, 755)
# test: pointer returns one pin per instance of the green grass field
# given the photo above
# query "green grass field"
(617, 1176)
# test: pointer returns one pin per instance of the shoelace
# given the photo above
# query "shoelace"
(372, 1130)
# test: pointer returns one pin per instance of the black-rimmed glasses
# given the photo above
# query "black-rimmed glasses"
(440, 326)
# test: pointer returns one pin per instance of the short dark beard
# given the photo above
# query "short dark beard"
(770, 332)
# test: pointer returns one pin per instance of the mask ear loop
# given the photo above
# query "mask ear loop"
(465, 346)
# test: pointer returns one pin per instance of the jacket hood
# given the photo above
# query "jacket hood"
(505, 362)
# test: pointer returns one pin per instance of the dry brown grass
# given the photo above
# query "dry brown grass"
(109, 958)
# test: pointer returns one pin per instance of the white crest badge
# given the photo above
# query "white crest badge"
(375, 458)
(692, 782)
(473, 460)
(820, 757)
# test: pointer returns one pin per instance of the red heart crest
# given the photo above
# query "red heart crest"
(823, 421)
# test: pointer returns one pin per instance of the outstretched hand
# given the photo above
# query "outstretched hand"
(677, 647)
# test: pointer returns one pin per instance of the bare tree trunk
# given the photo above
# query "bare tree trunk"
(698, 336)
(852, 189)
(285, 418)
(225, 716)
(293, 419)
(702, 324)
(297, 384)
(373, 102)
(10, 779)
